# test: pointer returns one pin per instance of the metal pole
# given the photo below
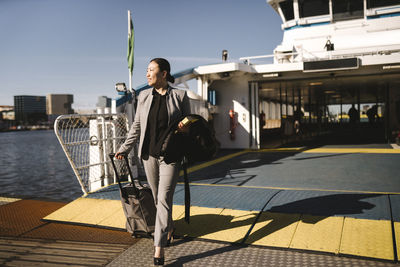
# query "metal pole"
(293, 101)
(299, 111)
(104, 137)
(256, 116)
(387, 114)
(129, 34)
(341, 107)
(280, 102)
(358, 104)
(309, 106)
(286, 100)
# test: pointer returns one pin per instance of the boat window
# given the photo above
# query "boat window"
(287, 9)
(381, 3)
(310, 8)
(348, 9)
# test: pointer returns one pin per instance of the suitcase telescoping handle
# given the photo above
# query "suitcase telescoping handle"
(112, 156)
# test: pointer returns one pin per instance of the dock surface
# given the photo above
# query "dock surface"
(273, 207)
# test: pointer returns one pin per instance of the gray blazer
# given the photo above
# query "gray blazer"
(178, 105)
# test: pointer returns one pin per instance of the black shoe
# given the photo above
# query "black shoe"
(158, 261)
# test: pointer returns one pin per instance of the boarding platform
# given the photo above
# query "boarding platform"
(334, 200)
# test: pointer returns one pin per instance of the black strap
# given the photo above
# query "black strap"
(187, 192)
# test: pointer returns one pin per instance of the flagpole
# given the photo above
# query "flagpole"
(129, 34)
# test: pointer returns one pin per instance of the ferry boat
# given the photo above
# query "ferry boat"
(334, 53)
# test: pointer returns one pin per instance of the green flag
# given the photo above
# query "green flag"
(131, 46)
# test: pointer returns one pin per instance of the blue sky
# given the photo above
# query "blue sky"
(79, 46)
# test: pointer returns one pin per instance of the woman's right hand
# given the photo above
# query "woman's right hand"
(119, 155)
(183, 128)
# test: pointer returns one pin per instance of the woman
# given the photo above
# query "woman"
(157, 108)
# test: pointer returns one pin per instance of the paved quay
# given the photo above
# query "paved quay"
(326, 206)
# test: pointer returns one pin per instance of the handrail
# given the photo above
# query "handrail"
(342, 53)
(85, 139)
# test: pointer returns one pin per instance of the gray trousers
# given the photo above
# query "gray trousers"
(162, 178)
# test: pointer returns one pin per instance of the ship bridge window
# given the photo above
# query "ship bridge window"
(348, 9)
(381, 3)
(310, 8)
(287, 9)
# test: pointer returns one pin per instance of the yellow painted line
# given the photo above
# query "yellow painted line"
(274, 229)
(216, 224)
(178, 212)
(397, 235)
(318, 233)
(97, 211)
(215, 161)
(297, 188)
(203, 222)
(367, 238)
(283, 149)
(232, 225)
(114, 216)
(116, 220)
(331, 150)
(8, 199)
(85, 210)
(353, 150)
(70, 210)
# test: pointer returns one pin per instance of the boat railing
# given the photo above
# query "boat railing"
(247, 60)
(87, 140)
(304, 55)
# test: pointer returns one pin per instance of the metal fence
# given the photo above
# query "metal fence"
(87, 141)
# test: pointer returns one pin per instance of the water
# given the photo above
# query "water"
(33, 165)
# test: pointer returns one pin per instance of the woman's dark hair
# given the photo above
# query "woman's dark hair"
(163, 64)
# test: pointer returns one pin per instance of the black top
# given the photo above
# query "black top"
(156, 125)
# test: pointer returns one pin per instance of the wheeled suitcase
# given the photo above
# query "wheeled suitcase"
(137, 203)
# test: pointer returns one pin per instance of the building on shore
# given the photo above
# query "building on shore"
(29, 109)
(7, 113)
(58, 104)
(103, 102)
(7, 117)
